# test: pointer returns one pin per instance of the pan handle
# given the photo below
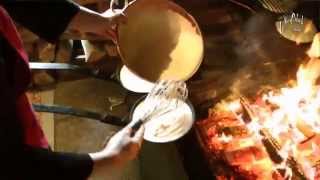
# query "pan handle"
(67, 110)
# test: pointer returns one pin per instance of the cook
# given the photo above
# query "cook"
(24, 148)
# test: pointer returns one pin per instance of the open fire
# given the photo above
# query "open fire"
(275, 135)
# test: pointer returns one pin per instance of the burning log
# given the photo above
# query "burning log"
(268, 139)
(276, 136)
(236, 157)
(236, 152)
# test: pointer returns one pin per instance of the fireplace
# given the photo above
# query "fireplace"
(271, 135)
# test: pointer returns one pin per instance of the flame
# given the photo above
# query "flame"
(294, 118)
(289, 115)
(225, 138)
(314, 51)
(297, 115)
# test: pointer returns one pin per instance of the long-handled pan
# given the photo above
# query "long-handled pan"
(67, 110)
(83, 70)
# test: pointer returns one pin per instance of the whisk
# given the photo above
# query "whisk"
(279, 6)
(163, 98)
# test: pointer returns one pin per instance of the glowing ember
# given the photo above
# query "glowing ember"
(285, 120)
(292, 116)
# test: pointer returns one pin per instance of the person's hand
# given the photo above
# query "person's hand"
(120, 149)
(88, 23)
(113, 18)
(124, 147)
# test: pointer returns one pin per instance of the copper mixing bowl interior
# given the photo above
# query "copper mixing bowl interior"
(160, 40)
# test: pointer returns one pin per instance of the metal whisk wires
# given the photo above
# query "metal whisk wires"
(163, 98)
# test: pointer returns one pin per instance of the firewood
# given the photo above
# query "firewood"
(275, 146)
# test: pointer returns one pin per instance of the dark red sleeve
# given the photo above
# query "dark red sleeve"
(33, 133)
(23, 146)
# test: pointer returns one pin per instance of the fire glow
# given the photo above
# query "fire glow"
(274, 136)
(292, 117)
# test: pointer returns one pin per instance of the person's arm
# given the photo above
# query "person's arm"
(50, 18)
(43, 163)
(99, 24)
(34, 163)
(120, 149)
(22, 161)
(19, 160)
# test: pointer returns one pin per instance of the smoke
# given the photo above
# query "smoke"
(262, 43)
(248, 61)
(267, 59)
